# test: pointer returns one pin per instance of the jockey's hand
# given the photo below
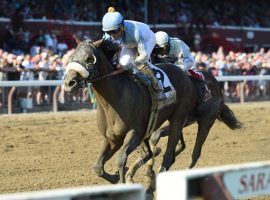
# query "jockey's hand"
(129, 66)
(119, 67)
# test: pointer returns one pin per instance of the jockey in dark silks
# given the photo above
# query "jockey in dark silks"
(133, 35)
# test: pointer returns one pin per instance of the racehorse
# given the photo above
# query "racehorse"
(123, 109)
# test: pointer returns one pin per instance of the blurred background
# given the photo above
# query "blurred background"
(226, 37)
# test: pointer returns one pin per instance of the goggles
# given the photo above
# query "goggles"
(112, 32)
(162, 50)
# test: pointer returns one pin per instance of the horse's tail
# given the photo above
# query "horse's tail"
(227, 116)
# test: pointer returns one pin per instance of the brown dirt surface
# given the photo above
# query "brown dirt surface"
(56, 150)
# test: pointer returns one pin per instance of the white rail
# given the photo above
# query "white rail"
(60, 82)
(107, 192)
(35, 83)
(240, 181)
(243, 78)
(30, 83)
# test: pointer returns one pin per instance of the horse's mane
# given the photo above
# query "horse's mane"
(110, 49)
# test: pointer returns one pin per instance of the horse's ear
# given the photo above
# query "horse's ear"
(77, 39)
(98, 43)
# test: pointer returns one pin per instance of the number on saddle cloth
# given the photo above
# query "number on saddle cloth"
(160, 77)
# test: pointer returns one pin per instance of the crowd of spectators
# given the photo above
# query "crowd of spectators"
(238, 63)
(23, 41)
(40, 64)
(43, 55)
(44, 64)
(235, 13)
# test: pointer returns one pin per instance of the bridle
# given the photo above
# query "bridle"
(108, 75)
(84, 82)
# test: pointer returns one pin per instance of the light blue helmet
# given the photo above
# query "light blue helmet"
(112, 20)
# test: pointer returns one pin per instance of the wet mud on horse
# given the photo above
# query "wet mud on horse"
(123, 109)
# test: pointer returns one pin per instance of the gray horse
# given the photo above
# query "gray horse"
(123, 109)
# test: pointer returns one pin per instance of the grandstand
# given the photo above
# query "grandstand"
(36, 42)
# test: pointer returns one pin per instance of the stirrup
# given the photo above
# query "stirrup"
(142, 78)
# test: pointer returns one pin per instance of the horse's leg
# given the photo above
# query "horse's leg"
(204, 126)
(209, 113)
(146, 154)
(175, 133)
(164, 131)
(130, 144)
(181, 145)
(154, 139)
(151, 149)
(106, 152)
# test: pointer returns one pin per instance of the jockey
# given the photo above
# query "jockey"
(175, 51)
(133, 35)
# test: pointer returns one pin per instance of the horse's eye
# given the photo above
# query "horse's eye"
(91, 59)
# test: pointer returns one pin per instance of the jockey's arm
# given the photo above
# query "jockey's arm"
(188, 59)
(143, 55)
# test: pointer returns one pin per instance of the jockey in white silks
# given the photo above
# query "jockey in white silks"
(174, 50)
(133, 35)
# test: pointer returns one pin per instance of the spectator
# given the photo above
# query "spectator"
(43, 67)
(62, 48)
(40, 39)
(197, 41)
(216, 13)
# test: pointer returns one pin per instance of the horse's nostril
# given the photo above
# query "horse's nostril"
(71, 83)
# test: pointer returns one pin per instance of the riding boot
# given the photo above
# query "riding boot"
(205, 93)
(155, 83)
(142, 77)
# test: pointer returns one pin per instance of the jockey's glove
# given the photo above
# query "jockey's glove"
(130, 66)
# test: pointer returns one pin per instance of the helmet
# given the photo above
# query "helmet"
(162, 38)
(112, 20)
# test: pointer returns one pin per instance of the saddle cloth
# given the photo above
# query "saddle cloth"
(164, 80)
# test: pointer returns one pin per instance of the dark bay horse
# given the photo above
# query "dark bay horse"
(123, 108)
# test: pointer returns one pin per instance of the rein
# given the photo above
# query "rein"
(108, 75)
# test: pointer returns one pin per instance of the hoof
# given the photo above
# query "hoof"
(191, 165)
(157, 151)
(112, 178)
(129, 179)
(98, 170)
(150, 173)
(162, 169)
(150, 190)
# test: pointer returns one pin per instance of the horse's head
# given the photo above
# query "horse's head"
(82, 66)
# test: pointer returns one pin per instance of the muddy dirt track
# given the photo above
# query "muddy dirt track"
(47, 150)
